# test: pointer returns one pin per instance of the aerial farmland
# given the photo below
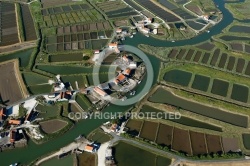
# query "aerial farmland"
(12, 86)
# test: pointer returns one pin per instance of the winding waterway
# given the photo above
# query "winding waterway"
(33, 151)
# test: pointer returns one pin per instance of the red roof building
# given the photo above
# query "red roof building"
(120, 78)
(14, 122)
(100, 92)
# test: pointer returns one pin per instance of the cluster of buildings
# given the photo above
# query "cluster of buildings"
(143, 27)
(61, 93)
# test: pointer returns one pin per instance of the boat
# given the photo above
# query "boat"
(134, 33)
(173, 41)
(139, 82)
(147, 35)
(132, 93)
(77, 138)
(14, 164)
(208, 31)
(131, 36)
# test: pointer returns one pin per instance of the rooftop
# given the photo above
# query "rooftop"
(89, 148)
(100, 91)
(15, 122)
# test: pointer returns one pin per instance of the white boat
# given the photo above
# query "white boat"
(173, 41)
(132, 93)
(147, 35)
(208, 31)
(13, 164)
(131, 36)
(139, 82)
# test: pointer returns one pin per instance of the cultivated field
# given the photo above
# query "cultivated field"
(165, 134)
(134, 126)
(70, 14)
(191, 142)
(163, 14)
(148, 130)
(198, 143)
(127, 154)
(176, 9)
(28, 24)
(116, 9)
(8, 25)
(52, 126)
(86, 159)
(12, 87)
(213, 143)
(181, 141)
(78, 37)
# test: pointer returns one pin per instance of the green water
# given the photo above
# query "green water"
(183, 120)
(33, 151)
(212, 112)
(22, 56)
(129, 155)
(178, 77)
(246, 142)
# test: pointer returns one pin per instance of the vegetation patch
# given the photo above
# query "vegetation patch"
(181, 141)
(65, 161)
(86, 159)
(198, 143)
(83, 101)
(134, 126)
(12, 88)
(213, 144)
(52, 126)
(127, 154)
(99, 136)
(165, 134)
(66, 57)
(148, 130)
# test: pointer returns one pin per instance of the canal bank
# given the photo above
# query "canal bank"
(33, 151)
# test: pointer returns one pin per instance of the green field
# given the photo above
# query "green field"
(99, 137)
(83, 101)
(31, 79)
(65, 161)
(126, 154)
(65, 58)
(47, 111)
(40, 89)
(66, 70)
